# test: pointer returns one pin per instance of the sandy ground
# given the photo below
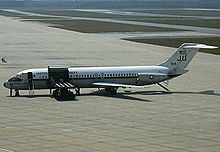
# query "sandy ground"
(187, 119)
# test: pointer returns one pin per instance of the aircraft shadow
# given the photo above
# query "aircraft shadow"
(207, 92)
(96, 93)
(121, 95)
(32, 96)
(125, 95)
(42, 96)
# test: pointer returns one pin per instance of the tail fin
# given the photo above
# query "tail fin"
(183, 56)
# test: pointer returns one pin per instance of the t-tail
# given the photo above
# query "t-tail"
(182, 57)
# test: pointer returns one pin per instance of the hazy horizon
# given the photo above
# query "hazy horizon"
(111, 3)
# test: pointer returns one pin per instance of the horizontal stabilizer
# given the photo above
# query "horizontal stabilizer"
(199, 46)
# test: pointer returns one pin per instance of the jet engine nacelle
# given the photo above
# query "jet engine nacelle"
(151, 78)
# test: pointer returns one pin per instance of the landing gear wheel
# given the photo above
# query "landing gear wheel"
(17, 93)
(77, 91)
(55, 93)
(63, 94)
(111, 90)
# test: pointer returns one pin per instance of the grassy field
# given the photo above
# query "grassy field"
(181, 21)
(72, 13)
(178, 12)
(176, 42)
(86, 26)
(165, 20)
(9, 14)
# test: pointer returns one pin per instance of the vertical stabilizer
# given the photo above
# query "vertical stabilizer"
(183, 56)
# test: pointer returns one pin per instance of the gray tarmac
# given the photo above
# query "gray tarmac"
(185, 120)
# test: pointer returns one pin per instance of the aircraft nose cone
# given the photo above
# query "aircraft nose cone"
(5, 84)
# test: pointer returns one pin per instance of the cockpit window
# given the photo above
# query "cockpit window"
(18, 76)
(15, 79)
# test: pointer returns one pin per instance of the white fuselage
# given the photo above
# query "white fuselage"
(84, 77)
(62, 78)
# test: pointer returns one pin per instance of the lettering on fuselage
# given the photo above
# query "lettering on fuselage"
(182, 56)
(40, 75)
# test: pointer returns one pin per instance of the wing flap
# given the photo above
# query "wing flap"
(108, 84)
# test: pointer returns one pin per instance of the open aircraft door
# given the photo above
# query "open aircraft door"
(58, 74)
(59, 80)
(28, 79)
(24, 77)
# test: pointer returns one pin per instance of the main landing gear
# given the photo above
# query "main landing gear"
(63, 94)
(77, 91)
(17, 93)
(111, 90)
(163, 87)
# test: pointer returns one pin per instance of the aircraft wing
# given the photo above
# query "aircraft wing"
(108, 84)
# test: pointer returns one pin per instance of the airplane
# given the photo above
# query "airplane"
(61, 79)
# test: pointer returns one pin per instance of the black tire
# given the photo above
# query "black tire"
(17, 93)
(113, 91)
(55, 93)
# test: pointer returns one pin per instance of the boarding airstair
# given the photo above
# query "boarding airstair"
(59, 80)
(64, 85)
